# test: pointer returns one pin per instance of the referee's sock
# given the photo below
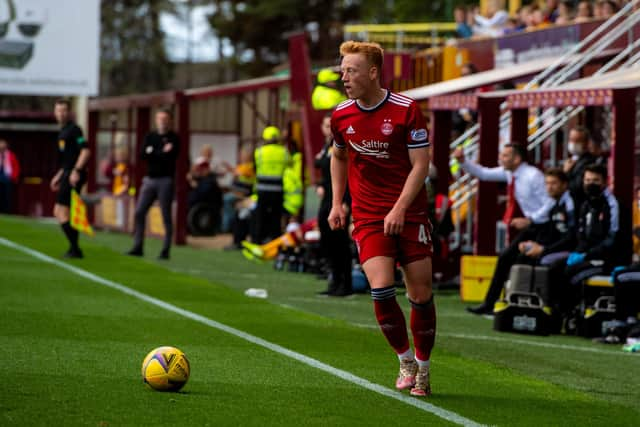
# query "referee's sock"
(72, 235)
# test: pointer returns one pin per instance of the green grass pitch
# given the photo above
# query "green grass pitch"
(72, 349)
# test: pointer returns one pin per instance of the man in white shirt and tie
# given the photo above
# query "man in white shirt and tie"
(526, 189)
(527, 180)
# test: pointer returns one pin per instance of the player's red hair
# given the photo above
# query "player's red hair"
(372, 51)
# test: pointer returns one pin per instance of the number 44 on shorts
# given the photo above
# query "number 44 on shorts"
(423, 236)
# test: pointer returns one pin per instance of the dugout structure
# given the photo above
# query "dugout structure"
(616, 91)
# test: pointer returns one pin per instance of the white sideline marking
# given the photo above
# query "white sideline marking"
(514, 341)
(347, 376)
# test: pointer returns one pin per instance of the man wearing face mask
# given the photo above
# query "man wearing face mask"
(579, 159)
(598, 225)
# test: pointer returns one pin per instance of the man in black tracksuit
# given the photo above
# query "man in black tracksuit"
(335, 244)
(72, 173)
(538, 240)
(598, 224)
(160, 150)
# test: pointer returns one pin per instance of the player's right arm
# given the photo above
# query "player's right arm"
(496, 174)
(338, 215)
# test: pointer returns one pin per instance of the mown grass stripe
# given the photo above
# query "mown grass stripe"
(347, 376)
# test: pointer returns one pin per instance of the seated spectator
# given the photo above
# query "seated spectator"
(119, 172)
(596, 250)
(538, 19)
(525, 191)
(609, 8)
(471, 13)
(463, 31)
(513, 26)
(525, 16)
(585, 12)
(579, 159)
(565, 13)
(537, 240)
(242, 186)
(204, 183)
(495, 21)
(551, 11)
(598, 10)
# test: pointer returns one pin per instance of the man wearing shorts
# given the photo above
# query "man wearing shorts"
(382, 147)
(73, 157)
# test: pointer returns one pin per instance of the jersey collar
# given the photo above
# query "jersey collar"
(375, 107)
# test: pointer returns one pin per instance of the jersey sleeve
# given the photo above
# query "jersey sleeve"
(338, 141)
(79, 139)
(417, 135)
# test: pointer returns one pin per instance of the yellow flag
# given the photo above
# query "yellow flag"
(79, 219)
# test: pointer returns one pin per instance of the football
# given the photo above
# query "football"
(165, 369)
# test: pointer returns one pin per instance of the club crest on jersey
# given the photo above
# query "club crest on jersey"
(61, 144)
(350, 130)
(387, 127)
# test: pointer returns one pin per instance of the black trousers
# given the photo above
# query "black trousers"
(5, 196)
(153, 189)
(509, 257)
(268, 216)
(336, 246)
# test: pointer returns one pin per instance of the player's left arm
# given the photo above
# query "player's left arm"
(420, 158)
(83, 159)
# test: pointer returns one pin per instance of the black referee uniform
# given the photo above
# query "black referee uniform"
(157, 184)
(70, 143)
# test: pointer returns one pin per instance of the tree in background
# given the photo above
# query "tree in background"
(394, 11)
(133, 54)
(257, 29)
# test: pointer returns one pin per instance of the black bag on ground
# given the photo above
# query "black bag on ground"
(524, 309)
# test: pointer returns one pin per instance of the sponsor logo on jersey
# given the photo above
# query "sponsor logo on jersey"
(419, 135)
(387, 127)
(370, 147)
(350, 130)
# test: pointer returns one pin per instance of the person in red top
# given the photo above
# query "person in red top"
(9, 173)
(382, 147)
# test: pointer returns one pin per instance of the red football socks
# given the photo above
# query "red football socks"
(423, 328)
(390, 318)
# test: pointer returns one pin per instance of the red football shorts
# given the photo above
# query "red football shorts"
(413, 244)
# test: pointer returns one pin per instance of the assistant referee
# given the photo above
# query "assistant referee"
(160, 150)
(73, 156)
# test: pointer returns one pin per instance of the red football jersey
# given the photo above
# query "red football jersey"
(378, 140)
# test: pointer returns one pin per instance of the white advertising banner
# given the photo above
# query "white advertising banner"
(49, 47)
